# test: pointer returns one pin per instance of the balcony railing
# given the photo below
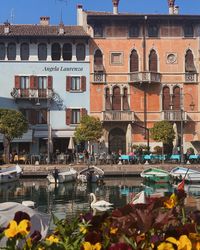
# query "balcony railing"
(145, 76)
(99, 77)
(31, 93)
(191, 77)
(114, 115)
(174, 115)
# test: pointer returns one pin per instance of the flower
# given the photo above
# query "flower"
(166, 246)
(83, 229)
(113, 230)
(184, 243)
(171, 202)
(120, 246)
(14, 229)
(88, 246)
(170, 243)
(52, 239)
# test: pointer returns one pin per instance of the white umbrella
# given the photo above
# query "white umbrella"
(71, 143)
(128, 138)
(175, 141)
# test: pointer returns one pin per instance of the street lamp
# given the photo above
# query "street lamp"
(182, 120)
(49, 140)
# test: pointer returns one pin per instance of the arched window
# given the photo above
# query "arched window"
(67, 52)
(134, 67)
(107, 99)
(80, 52)
(98, 60)
(2, 51)
(189, 62)
(176, 98)
(24, 51)
(116, 99)
(166, 98)
(125, 99)
(55, 51)
(153, 61)
(42, 51)
(11, 52)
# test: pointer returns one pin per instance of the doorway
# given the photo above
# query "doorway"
(117, 140)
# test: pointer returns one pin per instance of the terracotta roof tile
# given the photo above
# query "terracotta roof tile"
(41, 30)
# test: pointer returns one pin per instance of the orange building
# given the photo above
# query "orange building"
(143, 69)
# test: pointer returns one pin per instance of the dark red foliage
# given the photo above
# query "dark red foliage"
(36, 236)
(93, 237)
(120, 246)
(19, 216)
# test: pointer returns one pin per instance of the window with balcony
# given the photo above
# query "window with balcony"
(153, 61)
(24, 82)
(125, 99)
(189, 62)
(24, 51)
(75, 83)
(107, 99)
(116, 99)
(188, 30)
(176, 98)
(166, 98)
(56, 51)
(42, 51)
(67, 52)
(134, 30)
(2, 51)
(98, 30)
(134, 62)
(42, 86)
(80, 52)
(98, 60)
(11, 51)
(153, 30)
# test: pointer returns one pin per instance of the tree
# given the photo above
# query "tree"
(89, 130)
(162, 131)
(12, 125)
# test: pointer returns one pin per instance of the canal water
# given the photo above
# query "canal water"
(71, 199)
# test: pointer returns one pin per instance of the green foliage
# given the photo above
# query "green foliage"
(162, 132)
(12, 123)
(89, 129)
(158, 149)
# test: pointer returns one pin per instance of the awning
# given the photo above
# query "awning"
(41, 134)
(62, 133)
(27, 137)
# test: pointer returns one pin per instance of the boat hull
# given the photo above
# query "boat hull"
(156, 175)
(10, 174)
(189, 175)
(63, 177)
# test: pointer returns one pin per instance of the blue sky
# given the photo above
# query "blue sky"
(29, 11)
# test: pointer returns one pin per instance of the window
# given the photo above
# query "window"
(24, 82)
(75, 83)
(125, 100)
(107, 99)
(134, 30)
(188, 30)
(75, 118)
(98, 30)
(116, 99)
(153, 30)
(67, 51)
(166, 98)
(42, 82)
(116, 58)
(153, 64)
(134, 61)
(42, 51)
(80, 52)
(176, 98)
(98, 60)
(55, 51)
(11, 52)
(2, 51)
(24, 51)
(42, 116)
(189, 62)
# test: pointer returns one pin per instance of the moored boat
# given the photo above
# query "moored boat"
(10, 174)
(155, 175)
(190, 175)
(62, 176)
(91, 174)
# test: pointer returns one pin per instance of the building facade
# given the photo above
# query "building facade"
(144, 68)
(45, 74)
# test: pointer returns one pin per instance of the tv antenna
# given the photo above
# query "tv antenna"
(12, 16)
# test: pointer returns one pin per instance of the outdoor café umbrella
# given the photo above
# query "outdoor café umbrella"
(128, 138)
(175, 141)
(71, 143)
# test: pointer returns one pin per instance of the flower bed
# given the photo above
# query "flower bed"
(162, 224)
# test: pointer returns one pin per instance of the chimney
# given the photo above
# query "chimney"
(176, 10)
(61, 30)
(171, 6)
(80, 14)
(115, 6)
(6, 27)
(44, 20)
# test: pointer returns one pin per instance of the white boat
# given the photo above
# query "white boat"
(10, 174)
(91, 174)
(155, 175)
(190, 175)
(62, 176)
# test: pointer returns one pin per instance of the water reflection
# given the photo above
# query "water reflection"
(71, 199)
